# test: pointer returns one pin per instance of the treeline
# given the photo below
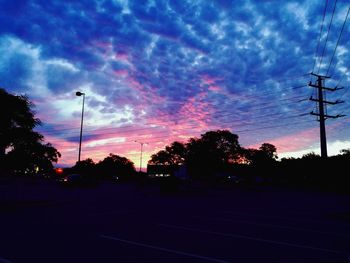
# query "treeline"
(312, 171)
(215, 152)
(113, 167)
(218, 154)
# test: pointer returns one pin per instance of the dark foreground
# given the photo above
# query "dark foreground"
(43, 222)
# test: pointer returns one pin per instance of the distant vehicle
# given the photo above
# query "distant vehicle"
(77, 180)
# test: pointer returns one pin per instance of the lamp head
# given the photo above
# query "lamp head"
(78, 93)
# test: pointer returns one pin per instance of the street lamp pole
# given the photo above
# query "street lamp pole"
(141, 146)
(78, 93)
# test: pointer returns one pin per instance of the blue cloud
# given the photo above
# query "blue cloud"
(18, 66)
(15, 68)
(60, 79)
(227, 55)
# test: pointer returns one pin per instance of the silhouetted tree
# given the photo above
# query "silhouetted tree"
(174, 154)
(310, 156)
(269, 151)
(16, 119)
(251, 155)
(115, 165)
(212, 152)
(265, 155)
(21, 148)
(345, 152)
(32, 157)
(86, 166)
(161, 157)
(177, 151)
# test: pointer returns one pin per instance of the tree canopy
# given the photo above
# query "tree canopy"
(86, 166)
(115, 165)
(21, 148)
(173, 154)
(212, 152)
(266, 154)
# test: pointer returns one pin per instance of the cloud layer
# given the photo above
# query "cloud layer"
(158, 71)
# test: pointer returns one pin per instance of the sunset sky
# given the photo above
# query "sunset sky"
(156, 71)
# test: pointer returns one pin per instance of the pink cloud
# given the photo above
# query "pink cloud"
(121, 73)
(122, 57)
(215, 88)
(68, 150)
(209, 80)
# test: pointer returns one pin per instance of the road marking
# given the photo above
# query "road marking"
(285, 218)
(272, 226)
(164, 249)
(4, 260)
(252, 238)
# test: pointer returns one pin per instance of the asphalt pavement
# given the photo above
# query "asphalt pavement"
(40, 221)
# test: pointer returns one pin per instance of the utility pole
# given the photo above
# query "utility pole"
(322, 106)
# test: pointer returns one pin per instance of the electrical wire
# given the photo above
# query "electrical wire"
(340, 35)
(217, 116)
(325, 44)
(319, 35)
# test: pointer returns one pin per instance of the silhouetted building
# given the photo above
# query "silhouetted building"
(161, 170)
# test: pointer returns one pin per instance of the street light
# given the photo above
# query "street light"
(78, 93)
(141, 144)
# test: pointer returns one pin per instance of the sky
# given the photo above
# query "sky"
(158, 71)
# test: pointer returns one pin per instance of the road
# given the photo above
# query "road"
(44, 222)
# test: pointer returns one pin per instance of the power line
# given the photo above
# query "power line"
(336, 46)
(184, 129)
(211, 103)
(113, 131)
(320, 34)
(157, 138)
(325, 44)
(215, 115)
(167, 133)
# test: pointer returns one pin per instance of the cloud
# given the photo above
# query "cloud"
(171, 69)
